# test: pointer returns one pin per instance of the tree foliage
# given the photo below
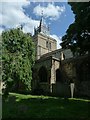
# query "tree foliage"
(77, 36)
(17, 58)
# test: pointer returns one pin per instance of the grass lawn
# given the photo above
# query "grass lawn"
(29, 106)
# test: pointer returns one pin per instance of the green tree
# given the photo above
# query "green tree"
(78, 34)
(18, 56)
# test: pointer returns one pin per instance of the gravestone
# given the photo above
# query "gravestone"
(72, 89)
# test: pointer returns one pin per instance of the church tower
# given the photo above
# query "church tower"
(43, 42)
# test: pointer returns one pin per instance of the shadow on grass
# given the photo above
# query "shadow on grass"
(40, 107)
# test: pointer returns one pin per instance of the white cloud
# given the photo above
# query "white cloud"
(50, 10)
(58, 39)
(29, 26)
(12, 15)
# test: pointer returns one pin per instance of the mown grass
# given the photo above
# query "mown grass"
(29, 106)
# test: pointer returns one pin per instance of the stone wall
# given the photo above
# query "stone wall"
(47, 63)
(77, 70)
(51, 64)
(55, 66)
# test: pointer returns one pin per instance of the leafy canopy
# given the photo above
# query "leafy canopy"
(17, 58)
(77, 36)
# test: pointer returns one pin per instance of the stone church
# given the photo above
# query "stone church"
(54, 68)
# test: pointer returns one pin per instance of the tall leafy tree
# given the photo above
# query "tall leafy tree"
(17, 59)
(77, 36)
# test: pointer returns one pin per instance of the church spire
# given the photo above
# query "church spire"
(41, 21)
(42, 27)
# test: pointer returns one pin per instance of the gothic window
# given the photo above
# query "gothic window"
(46, 44)
(50, 46)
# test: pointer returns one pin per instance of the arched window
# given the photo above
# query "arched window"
(43, 74)
(50, 46)
(46, 44)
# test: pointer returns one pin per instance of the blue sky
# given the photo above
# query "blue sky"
(57, 15)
